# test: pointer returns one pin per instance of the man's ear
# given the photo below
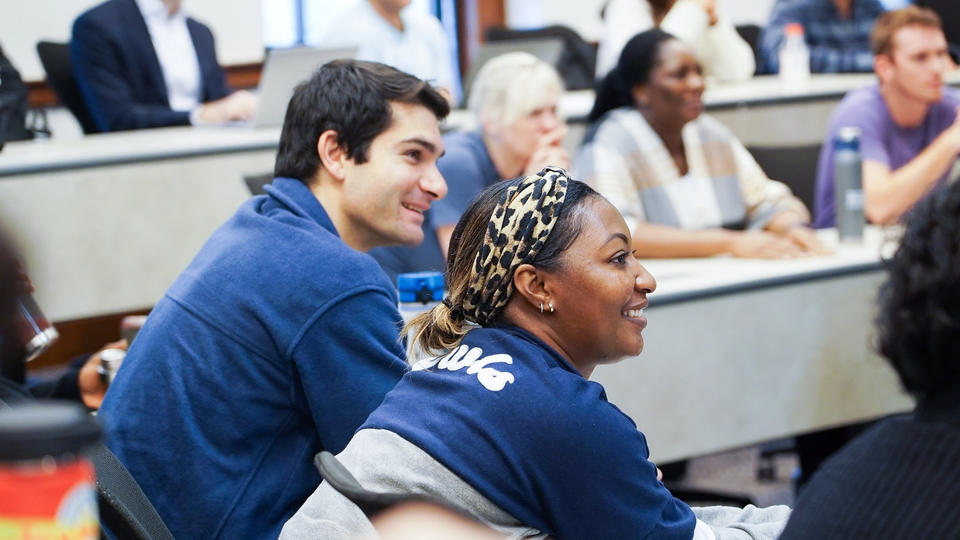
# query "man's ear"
(331, 153)
(532, 284)
(883, 67)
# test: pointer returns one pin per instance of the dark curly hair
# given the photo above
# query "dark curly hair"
(918, 320)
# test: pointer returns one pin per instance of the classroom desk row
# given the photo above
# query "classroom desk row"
(140, 204)
(742, 351)
(772, 348)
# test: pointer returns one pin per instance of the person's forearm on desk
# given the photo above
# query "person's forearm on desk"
(660, 241)
(795, 226)
(889, 194)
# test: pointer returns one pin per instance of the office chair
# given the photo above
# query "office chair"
(370, 502)
(795, 166)
(751, 34)
(124, 509)
(577, 62)
(55, 58)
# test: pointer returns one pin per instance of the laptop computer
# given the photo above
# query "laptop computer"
(283, 69)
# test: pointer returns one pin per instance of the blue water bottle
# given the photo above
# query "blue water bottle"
(419, 292)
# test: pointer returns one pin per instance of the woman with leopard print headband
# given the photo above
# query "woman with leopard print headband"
(517, 220)
(503, 423)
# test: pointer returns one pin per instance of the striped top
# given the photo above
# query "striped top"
(627, 162)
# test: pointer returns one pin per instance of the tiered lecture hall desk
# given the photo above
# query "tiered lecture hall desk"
(739, 351)
(108, 221)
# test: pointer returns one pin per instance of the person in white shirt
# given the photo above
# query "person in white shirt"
(724, 55)
(144, 63)
(409, 40)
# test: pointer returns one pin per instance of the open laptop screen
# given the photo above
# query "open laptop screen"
(283, 69)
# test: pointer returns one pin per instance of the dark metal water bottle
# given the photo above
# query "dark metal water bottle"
(847, 184)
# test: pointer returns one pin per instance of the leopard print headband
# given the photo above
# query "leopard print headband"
(519, 226)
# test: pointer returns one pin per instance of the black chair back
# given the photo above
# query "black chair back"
(370, 502)
(255, 182)
(751, 34)
(124, 509)
(795, 166)
(55, 58)
(13, 104)
(577, 62)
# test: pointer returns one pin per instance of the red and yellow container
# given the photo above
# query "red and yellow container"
(47, 486)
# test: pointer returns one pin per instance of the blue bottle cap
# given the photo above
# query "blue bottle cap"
(847, 138)
(420, 287)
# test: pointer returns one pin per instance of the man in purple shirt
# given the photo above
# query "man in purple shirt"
(909, 127)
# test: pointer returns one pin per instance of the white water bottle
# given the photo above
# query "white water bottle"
(794, 56)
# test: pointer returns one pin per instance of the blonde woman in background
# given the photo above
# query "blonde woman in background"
(519, 131)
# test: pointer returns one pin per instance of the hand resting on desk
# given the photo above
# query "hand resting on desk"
(239, 105)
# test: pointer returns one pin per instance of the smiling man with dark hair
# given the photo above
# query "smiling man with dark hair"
(282, 335)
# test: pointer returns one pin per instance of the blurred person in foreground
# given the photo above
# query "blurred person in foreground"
(81, 382)
(901, 479)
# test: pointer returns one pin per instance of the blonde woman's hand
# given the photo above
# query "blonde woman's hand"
(549, 152)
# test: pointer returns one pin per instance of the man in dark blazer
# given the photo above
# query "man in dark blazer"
(124, 78)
